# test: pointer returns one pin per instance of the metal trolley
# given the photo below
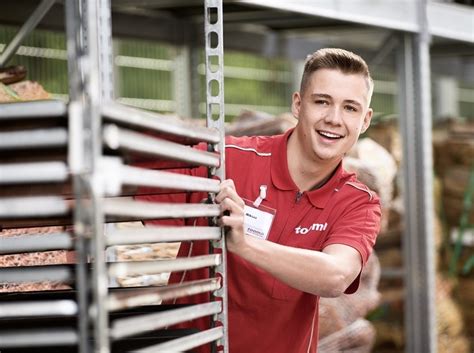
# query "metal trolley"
(68, 164)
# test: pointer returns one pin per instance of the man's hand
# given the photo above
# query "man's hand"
(232, 209)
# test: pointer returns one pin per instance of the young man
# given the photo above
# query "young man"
(300, 227)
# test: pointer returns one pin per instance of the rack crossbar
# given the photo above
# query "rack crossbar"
(134, 325)
(117, 138)
(122, 269)
(121, 301)
(122, 114)
(43, 206)
(39, 338)
(155, 178)
(151, 210)
(36, 242)
(24, 139)
(39, 308)
(33, 110)
(162, 234)
(35, 274)
(17, 173)
(184, 343)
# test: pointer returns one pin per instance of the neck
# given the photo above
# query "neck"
(307, 173)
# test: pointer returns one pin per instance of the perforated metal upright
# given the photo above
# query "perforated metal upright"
(214, 41)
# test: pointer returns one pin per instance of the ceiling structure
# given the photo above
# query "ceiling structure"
(280, 28)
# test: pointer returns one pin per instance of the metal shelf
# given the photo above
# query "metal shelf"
(35, 110)
(119, 113)
(35, 243)
(115, 138)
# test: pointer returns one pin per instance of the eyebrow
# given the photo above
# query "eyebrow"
(327, 96)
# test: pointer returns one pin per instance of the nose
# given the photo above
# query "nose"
(333, 116)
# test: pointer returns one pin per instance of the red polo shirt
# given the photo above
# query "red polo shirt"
(266, 315)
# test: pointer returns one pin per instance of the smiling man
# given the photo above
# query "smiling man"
(299, 226)
(323, 221)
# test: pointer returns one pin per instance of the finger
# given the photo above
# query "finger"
(230, 221)
(227, 189)
(233, 207)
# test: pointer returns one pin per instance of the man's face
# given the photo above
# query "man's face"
(332, 112)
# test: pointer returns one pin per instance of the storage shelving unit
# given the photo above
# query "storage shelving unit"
(90, 142)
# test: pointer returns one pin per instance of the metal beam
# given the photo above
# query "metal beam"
(117, 138)
(33, 110)
(444, 20)
(418, 242)
(121, 269)
(184, 343)
(35, 274)
(26, 29)
(34, 243)
(38, 138)
(40, 172)
(127, 300)
(152, 210)
(157, 122)
(162, 234)
(41, 206)
(49, 337)
(38, 308)
(134, 325)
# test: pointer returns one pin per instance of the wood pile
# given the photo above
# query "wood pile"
(453, 146)
(14, 89)
(451, 164)
(450, 324)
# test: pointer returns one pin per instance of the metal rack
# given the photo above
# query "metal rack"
(93, 174)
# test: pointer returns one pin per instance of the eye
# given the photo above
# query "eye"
(321, 102)
(350, 108)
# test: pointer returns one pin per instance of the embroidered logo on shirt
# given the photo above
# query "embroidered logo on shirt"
(319, 227)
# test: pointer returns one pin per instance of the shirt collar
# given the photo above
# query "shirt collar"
(281, 178)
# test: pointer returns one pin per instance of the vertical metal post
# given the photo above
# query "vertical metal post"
(213, 32)
(418, 240)
(78, 145)
(181, 80)
(99, 70)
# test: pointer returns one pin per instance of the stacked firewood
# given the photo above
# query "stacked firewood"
(389, 318)
(453, 144)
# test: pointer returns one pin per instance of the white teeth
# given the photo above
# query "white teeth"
(328, 134)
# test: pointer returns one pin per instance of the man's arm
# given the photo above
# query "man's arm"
(327, 273)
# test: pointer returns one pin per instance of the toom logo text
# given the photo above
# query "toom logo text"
(319, 227)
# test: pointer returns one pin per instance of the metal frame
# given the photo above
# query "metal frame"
(26, 29)
(213, 31)
(418, 240)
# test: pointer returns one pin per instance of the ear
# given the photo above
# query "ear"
(367, 120)
(296, 104)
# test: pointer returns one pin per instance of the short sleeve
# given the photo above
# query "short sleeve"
(357, 227)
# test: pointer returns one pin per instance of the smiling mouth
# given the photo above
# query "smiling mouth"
(329, 135)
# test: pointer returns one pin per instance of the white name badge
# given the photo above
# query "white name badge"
(258, 221)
